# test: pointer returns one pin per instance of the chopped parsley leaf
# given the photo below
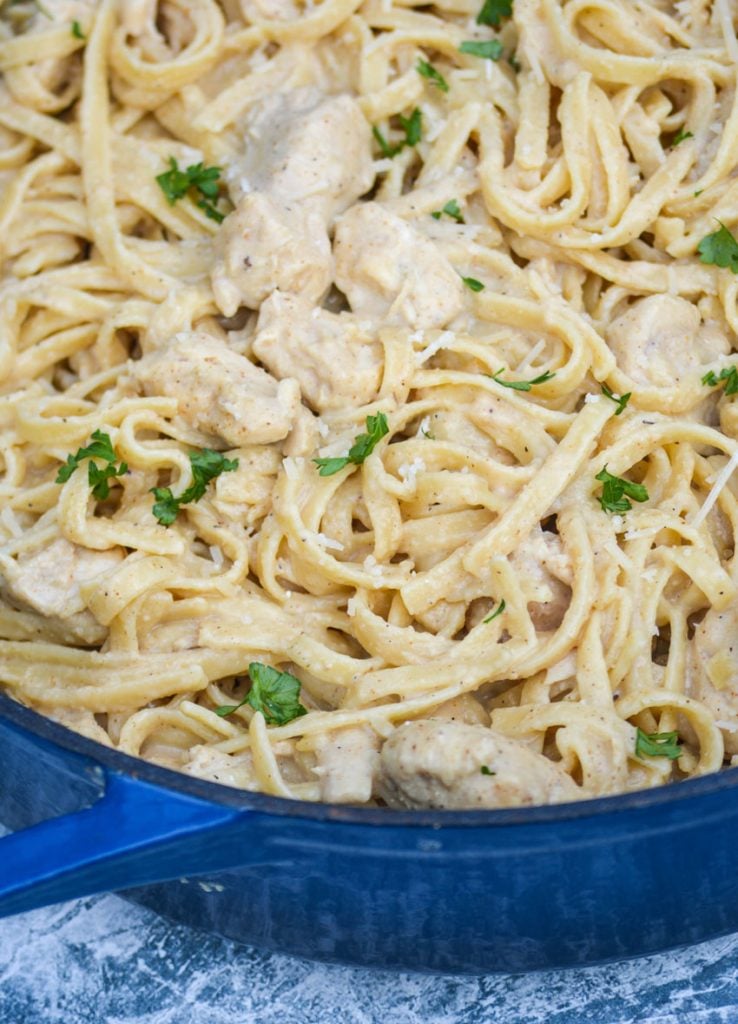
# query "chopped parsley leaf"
(206, 466)
(658, 744)
(680, 136)
(387, 150)
(493, 11)
(202, 180)
(616, 491)
(490, 49)
(426, 70)
(498, 611)
(521, 385)
(412, 126)
(472, 284)
(729, 374)
(485, 770)
(720, 249)
(621, 401)
(363, 446)
(98, 476)
(451, 209)
(77, 31)
(276, 694)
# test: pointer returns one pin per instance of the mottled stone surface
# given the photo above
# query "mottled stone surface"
(105, 961)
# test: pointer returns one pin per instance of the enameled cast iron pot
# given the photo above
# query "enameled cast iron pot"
(508, 890)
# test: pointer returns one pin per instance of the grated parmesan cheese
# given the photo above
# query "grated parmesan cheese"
(535, 351)
(720, 481)
(409, 471)
(443, 339)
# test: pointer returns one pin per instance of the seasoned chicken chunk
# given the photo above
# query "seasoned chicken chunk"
(306, 148)
(545, 573)
(661, 337)
(713, 670)
(437, 764)
(389, 270)
(308, 158)
(263, 246)
(347, 762)
(48, 582)
(335, 361)
(219, 391)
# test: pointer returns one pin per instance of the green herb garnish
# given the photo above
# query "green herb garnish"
(621, 401)
(424, 68)
(202, 180)
(490, 49)
(451, 209)
(521, 385)
(360, 450)
(498, 611)
(472, 284)
(729, 374)
(615, 489)
(657, 744)
(206, 466)
(720, 249)
(484, 770)
(98, 476)
(412, 127)
(77, 31)
(276, 694)
(680, 136)
(493, 11)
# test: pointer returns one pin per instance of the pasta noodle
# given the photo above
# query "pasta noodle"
(368, 420)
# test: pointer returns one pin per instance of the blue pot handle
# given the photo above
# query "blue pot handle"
(134, 834)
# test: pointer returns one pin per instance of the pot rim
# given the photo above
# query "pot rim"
(63, 738)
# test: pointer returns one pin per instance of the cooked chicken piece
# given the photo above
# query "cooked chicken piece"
(308, 158)
(347, 764)
(438, 764)
(306, 148)
(219, 391)
(335, 361)
(263, 246)
(545, 573)
(712, 676)
(661, 337)
(389, 270)
(48, 581)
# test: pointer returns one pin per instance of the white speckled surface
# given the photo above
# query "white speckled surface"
(106, 961)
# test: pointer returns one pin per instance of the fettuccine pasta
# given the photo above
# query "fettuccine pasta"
(368, 415)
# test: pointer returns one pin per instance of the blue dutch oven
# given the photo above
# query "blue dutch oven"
(508, 890)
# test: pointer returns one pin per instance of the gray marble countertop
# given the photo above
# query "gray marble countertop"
(105, 961)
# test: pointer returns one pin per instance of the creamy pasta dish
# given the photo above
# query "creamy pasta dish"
(369, 417)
